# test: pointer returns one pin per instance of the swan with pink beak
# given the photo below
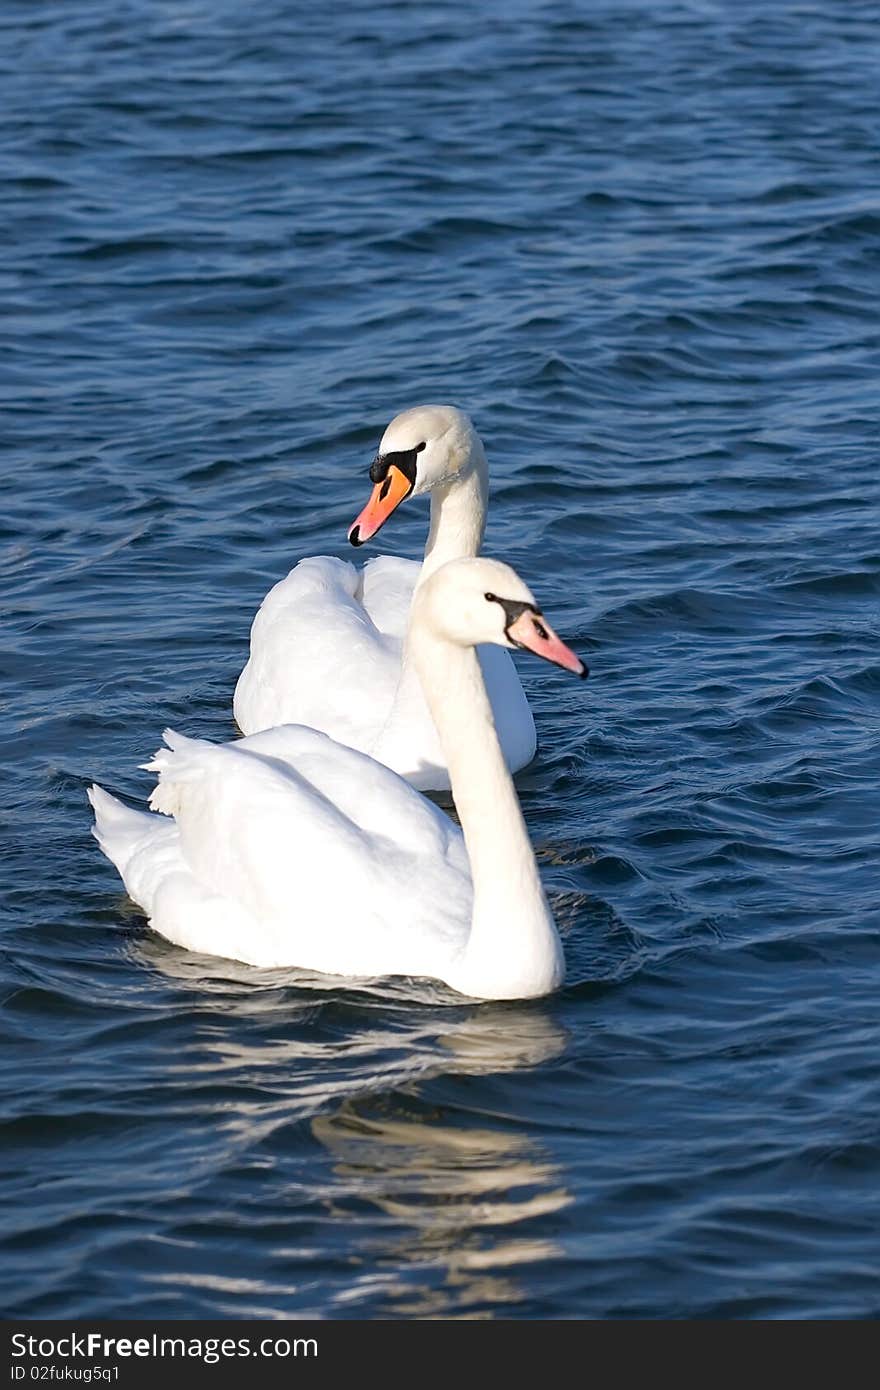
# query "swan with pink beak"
(287, 848)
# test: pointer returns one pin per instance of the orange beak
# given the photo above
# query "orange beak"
(532, 631)
(384, 498)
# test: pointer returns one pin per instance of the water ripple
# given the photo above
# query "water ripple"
(639, 243)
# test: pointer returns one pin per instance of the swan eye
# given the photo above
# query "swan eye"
(420, 447)
(491, 598)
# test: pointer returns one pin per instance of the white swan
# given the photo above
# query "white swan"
(327, 642)
(287, 848)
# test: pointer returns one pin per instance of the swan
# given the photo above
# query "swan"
(286, 848)
(326, 646)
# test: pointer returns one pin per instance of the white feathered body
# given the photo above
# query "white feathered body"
(327, 652)
(287, 848)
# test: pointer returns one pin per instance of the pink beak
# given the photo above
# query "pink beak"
(532, 631)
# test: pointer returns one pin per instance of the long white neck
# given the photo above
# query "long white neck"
(458, 520)
(513, 950)
(458, 515)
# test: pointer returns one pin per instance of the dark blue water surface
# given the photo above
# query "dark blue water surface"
(640, 243)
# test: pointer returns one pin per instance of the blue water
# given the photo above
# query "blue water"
(640, 243)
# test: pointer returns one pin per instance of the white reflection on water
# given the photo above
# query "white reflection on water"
(438, 1208)
(458, 1199)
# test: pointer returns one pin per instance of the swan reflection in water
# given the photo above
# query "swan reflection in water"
(363, 1111)
(460, 1200)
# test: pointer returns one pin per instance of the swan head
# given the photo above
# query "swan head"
(473, 601)
(423, 448)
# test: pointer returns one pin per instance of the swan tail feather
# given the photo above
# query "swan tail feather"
(181, 761)
(118, 829)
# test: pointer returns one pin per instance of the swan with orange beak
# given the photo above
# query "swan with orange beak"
(354, 683)
(395, 477)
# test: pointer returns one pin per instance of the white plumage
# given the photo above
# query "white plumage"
(327, 643)
(288, 848)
